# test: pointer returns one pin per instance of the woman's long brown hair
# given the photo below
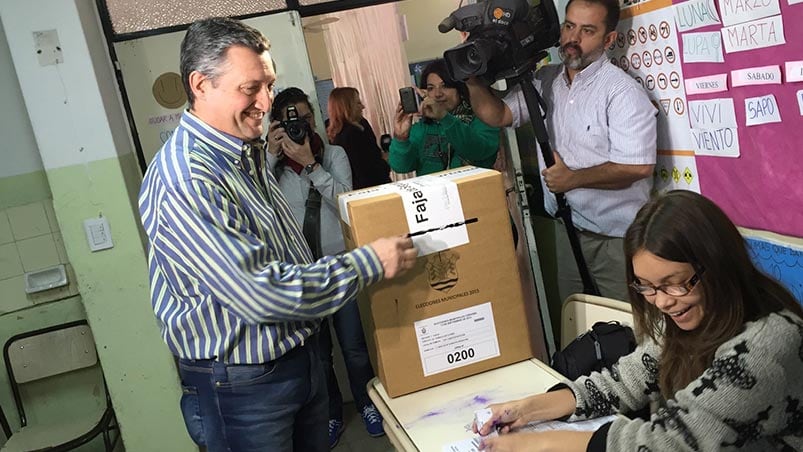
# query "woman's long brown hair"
(683, 226)
(341, 108)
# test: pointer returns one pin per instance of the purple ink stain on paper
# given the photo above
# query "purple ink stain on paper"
(481, 400)
(431, 414)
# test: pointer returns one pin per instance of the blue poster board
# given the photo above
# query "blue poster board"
(781, 261)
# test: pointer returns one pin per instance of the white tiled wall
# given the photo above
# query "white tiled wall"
(30, 240)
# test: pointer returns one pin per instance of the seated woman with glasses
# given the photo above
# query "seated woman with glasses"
(448, 135)
(720, 355)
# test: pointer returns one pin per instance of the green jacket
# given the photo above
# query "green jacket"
(432, 144)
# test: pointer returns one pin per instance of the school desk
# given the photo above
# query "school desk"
(431, 418)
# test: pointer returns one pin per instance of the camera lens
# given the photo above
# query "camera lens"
(466, 61)
(473, 57)
(296, 130)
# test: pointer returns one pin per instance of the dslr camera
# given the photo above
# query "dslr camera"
(296, 128)
(506, 38)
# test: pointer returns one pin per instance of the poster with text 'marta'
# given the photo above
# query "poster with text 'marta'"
(647, 48)
(748, 65)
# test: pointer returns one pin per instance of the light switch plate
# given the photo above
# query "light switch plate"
(98, 233)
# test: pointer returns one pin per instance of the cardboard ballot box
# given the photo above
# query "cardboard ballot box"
(460, 310)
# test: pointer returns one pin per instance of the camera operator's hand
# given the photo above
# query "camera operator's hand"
(559, 178)
(274, 138)
(432, 109)
(401, 124)
(300, 153)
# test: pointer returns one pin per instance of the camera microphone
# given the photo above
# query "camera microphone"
(447, 24)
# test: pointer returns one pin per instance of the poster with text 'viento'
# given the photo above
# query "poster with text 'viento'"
(647, 49)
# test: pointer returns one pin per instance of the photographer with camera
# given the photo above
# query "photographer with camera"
(311, 174)
(603, 128)
(449, 135)
(309, 170)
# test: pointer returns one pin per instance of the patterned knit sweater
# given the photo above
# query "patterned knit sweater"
(750, 398)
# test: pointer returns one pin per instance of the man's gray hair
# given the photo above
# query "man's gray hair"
(204, 47)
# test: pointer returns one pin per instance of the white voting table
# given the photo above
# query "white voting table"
(429, 419)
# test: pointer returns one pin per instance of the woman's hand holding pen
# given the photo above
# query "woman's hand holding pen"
(507, 416)
(518, 413)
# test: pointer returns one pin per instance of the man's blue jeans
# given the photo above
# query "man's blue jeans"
(348, 329)
(276, 406)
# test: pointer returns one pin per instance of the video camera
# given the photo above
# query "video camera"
(506, 38)
(296, 128)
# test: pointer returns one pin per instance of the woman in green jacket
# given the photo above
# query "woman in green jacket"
(448, 135)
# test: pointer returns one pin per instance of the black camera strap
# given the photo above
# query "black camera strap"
(312, 221)
(564, 212)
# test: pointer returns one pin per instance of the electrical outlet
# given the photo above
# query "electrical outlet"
(98, 233)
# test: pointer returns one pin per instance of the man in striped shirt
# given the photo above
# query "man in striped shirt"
(233, 282)
(603, 128)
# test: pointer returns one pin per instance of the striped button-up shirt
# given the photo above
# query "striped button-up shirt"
(602, 116)
(232, 278)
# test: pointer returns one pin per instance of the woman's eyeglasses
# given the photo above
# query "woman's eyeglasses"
(674, 290)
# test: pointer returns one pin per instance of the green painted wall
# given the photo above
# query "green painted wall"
(75, 133)
(114, 284)
(23, 189)
(114, 287)
(30, 239)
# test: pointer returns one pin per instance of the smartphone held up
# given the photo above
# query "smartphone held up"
(409, 99)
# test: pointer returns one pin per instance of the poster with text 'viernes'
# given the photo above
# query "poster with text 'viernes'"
(647, 48)
(760, 188)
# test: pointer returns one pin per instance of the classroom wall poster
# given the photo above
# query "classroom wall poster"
(676, 170)
(782, 261)
(760, 187)
(757, 185)
(647, 49)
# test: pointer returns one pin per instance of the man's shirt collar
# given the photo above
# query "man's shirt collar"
(225, 144)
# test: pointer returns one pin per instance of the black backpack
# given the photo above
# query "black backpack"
(598, 348)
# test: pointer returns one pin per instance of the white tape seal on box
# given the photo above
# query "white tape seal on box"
(432, 207)
(457, 339)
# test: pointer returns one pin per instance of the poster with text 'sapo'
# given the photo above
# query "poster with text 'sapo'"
(647, 49)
